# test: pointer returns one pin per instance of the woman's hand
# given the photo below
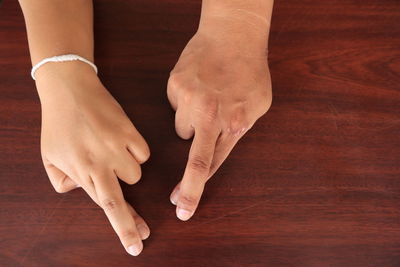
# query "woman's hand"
(88, 141)
(220, 86)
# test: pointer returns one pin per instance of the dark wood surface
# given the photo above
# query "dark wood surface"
(316, 182)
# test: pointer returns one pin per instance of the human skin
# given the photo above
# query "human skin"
(219, 87)
(81, 144)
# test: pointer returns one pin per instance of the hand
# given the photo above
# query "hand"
(88, 141)
(220, 86)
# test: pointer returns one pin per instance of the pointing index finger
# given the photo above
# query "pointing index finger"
(197, 170)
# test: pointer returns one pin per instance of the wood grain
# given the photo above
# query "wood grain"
(315, 183)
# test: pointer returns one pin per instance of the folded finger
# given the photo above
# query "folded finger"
(138, 147)
(226, 142)
(88, 186)
(175, 194)
(183, 123)
(61, 182)
(127, 168)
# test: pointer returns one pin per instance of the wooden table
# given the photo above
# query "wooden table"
(316, 182)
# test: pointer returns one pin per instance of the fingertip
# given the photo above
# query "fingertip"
(140, 154)
(174, 197)
(183, 214)
(135, 249)
(144, 231)
(186, 203)
(66, 186)
(145, 155)
(141, 226)
(184, 135)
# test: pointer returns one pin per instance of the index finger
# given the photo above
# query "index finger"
(196, 172)
(111, 200)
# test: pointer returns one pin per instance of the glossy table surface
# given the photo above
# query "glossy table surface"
(316, 182)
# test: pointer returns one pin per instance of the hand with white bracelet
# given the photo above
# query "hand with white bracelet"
(87, 140)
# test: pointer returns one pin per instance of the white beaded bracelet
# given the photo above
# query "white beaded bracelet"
(62, 58)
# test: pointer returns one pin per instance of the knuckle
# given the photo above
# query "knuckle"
(182, 133)
(59, 186)
(128, 234)
(199, 164)
(187, 96)
(210, 110)
(188, 201)
(60, 189)
(110, 204)
(139, 147)
(238, 122)
(174, 82)
(146, 154)
(142, 154)
(266, 101)
(88, 160)
(266, 105)
(136, 178)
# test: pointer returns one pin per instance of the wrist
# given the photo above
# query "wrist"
(242, 27)
(64, 71)
(254, 11)
(62, 78)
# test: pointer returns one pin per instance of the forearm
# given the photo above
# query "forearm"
(245, 20)
(58, 27)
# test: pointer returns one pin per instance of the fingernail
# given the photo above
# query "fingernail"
(174, 197)
(77, 185)
(143, 231)
(183, 214)
(134, 250)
